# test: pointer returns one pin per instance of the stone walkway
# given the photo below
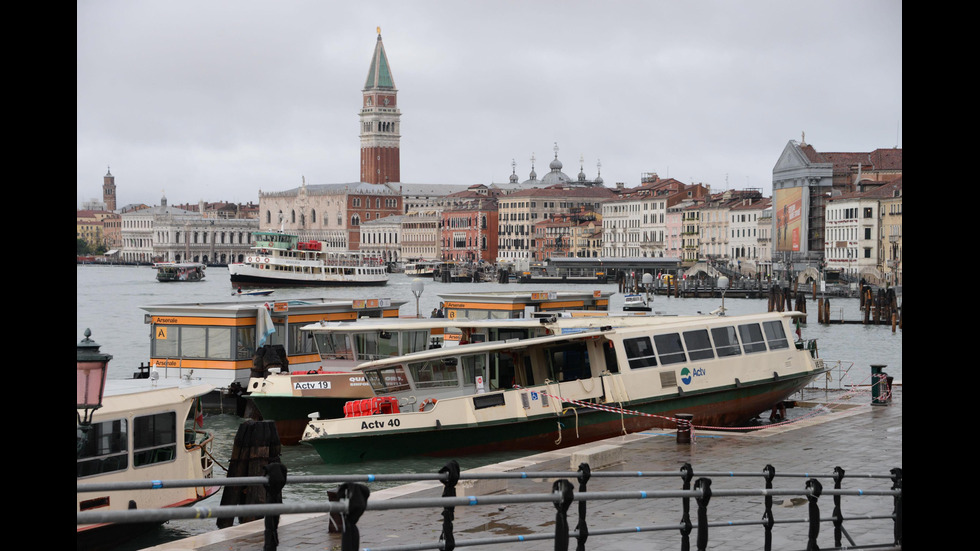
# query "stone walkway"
(861, 439)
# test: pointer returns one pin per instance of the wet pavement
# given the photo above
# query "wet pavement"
(860, 438)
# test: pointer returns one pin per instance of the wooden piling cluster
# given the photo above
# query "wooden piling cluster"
(881, 307)
(781, 299)
(256, 446)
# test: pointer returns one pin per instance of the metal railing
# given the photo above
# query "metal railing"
(354, 502)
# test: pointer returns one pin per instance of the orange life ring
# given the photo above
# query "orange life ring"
(426, 402)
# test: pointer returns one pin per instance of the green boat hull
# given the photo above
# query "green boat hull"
(731, 406)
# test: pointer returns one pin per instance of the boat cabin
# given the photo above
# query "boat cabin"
(658, 356)
(520, 304)
(179, 271)
(216, 342)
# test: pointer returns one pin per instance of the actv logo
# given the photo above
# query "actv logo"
(688, 375)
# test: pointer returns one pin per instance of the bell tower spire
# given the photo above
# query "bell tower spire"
(380, 122)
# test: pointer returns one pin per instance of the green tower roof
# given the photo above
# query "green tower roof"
(379, 76)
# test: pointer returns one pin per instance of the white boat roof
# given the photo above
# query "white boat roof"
(124, 395)
(595, 328)
(478, 348)
(557, 323)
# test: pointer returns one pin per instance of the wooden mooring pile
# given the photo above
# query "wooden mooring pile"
(877, 307)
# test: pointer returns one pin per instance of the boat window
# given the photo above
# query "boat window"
(414, 341)
(154, 439)
(387, 380)
(435, 373)
(570, 362)
(640, 352)
(775, 335)
(698, 345)
(752, 340)
(473, 367)
(205, 342)
(219, 343)
(245, 343)
(726, 341)
(165, 340)
(370, 346)
(102, 448)
(300, 342)
(609, 352)
(333, 346)
(670, 348)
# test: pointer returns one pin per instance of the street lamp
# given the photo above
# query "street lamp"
(723, 285)
(91, 369)
(647, 281)
(417, 288)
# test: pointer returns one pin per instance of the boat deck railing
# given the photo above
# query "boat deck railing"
(692, 527)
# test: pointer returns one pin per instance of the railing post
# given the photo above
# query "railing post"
(838, 515)
(703, 484)
(687, 473)
(565, 488)
(767, 519)
(273, 489)
(585, 472)
(815, 489)
(897, 485)
(356, 496)
(449, 513)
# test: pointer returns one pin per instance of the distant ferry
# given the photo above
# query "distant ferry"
(279, 258)
(179, 271)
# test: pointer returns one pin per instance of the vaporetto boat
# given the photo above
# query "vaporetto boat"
(143, 432)
(279, 258)
(554, 391)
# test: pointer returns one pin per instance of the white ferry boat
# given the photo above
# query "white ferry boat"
(279, 258)
(143, 432)
(179, 271)
(548, 392)
(421, 268)
(289, 397)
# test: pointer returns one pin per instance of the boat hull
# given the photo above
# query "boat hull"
(101, 537)
(731, 406)
(291, 413)
(244, 279)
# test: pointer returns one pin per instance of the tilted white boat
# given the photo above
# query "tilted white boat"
(141, 433)
(279, 258)
(553, 391)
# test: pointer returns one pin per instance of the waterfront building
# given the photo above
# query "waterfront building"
(574, 235)
(520, 210)
(469, 231)
(691, 233)
(382, 237)
(858, 243)
(430, 197)
(746, 235)
(169, 234)
(421, 237)
(803, 180)
(891, 231)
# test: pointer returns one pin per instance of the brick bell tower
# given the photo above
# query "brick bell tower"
(380, 116)
(109, 191)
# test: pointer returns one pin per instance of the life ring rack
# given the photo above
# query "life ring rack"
(427, 402)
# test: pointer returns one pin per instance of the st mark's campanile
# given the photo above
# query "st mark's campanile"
(380, 122)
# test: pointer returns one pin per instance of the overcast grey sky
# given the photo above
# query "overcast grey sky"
(217, 100)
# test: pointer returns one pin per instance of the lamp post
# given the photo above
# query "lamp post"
(91, 369)
(417, 288)
(647, 281)
(723, 285)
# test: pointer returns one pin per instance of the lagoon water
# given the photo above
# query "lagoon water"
(109, 300)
